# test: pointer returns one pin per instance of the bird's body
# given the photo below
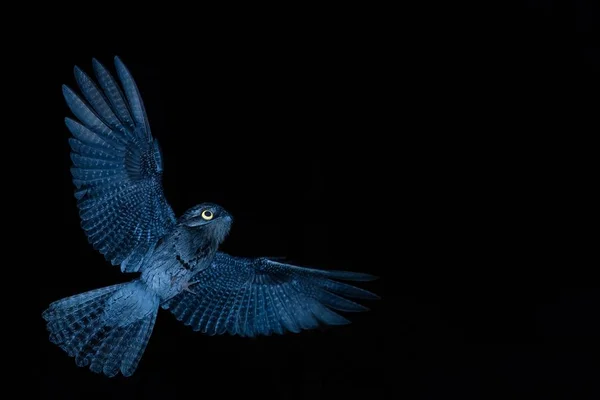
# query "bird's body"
(184, 251)
(117, 172)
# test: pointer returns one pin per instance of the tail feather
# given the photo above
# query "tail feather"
(123, 348)
(87, 342)
(69, 305)
(107, 329)
(106, 358)
(110, 362)
(137, 345)
(72, 319)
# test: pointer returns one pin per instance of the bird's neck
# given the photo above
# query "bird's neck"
(193, 246)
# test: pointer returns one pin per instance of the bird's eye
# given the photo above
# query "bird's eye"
(207, 215)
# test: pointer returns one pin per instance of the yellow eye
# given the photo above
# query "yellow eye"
(207, 215)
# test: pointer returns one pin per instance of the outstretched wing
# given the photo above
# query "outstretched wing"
(117, 168)
(250, 297)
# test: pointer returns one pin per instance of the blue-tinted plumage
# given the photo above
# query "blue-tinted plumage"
(117, 172)
(117, 169)
(252, 297)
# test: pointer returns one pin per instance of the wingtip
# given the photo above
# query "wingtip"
(66, 90)
(359, 308)
(368, 277)
(97, 66)
(80, 76)
(359, 277)
(373, 296)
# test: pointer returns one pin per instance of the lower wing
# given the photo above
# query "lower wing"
(250, 297)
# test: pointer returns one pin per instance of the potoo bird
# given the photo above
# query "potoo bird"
(117, 171)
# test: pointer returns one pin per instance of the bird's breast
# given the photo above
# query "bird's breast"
(166, 279)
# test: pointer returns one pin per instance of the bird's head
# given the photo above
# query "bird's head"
(209, 218)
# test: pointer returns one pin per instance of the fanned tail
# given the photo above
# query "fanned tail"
(107, 329)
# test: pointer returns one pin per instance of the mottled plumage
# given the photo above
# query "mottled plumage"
(117, 172)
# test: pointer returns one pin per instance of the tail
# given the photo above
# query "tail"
(107, 329)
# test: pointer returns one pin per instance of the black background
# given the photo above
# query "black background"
(450, 161)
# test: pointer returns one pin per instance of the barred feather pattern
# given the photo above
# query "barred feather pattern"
(107, 329)
(250, 297)
(117, 168)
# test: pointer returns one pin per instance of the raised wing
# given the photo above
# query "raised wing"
(250, 297)
(117, 168)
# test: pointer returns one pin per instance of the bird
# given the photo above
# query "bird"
(117, 172)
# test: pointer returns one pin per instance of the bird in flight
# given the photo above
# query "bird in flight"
(117, 172)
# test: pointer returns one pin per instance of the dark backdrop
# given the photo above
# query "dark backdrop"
(284, 141)
(450, 161)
